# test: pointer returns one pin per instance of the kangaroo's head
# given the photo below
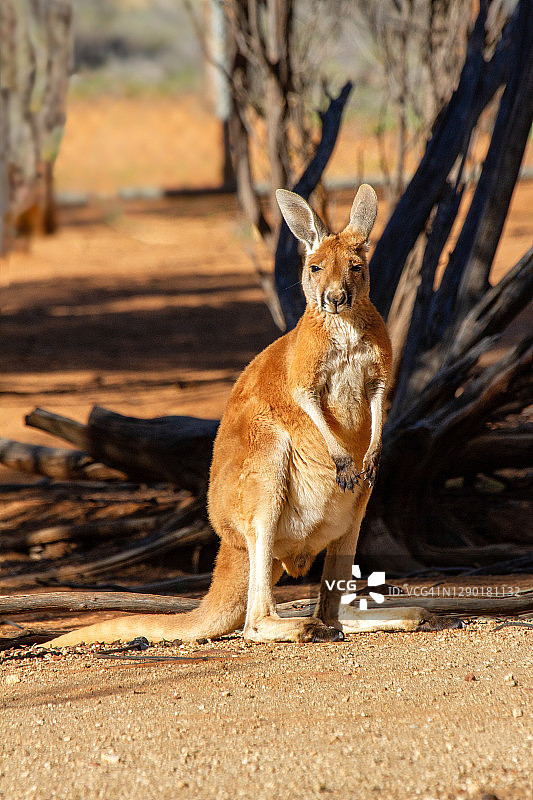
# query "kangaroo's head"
(335, 273)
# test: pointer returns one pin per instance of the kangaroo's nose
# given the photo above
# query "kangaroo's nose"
(337, 297)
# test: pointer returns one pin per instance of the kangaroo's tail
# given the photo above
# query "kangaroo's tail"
(222, 610)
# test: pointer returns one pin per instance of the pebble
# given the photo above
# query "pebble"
(109, 758)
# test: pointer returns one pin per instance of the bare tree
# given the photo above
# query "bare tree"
(270, 70)
(420, 47)
(34, 68)
(217, 49)
(450, 418)
(270, 79)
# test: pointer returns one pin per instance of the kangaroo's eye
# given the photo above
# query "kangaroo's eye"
(315, 268)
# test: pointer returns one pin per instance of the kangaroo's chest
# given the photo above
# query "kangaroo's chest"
(344, 376)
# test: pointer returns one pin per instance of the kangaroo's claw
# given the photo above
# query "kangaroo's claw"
(348, 476)
(369, 477)
(370, 466)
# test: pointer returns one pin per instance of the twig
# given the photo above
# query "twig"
(183, 528)
(141, 658)
(196, 533)
(87, 530)
(34, 652)
(513, 624)
(502, 567)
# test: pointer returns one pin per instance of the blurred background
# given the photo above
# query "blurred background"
(149, 69)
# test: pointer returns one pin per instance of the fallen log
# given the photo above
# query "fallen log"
(193, 582)
(95, 601)
(189, 583)
(175, 449)
(150, 603)
(468, 606)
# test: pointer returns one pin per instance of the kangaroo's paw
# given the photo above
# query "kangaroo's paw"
(348, 476)
(370, 466)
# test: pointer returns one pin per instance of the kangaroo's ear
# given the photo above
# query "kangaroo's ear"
(364, 211)
(301, 219)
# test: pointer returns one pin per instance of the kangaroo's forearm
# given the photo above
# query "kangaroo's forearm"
(309, 402)
(376, 410)
(375, 392)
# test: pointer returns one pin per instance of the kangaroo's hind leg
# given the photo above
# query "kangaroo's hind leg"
(338, 567)
(338, 564)
(262, 621)
(265, 496)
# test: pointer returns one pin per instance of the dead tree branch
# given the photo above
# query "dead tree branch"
(287, 272)
(175, 449)
(95, 601)
(54, 462)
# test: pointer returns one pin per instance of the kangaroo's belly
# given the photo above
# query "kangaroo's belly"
(315, 510)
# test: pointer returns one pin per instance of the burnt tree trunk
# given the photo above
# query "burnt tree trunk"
(445, 403)
(174, 449)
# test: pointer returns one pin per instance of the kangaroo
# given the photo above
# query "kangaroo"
(296, 454)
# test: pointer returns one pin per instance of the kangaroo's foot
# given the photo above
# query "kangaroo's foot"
(432, 622)
(275, 629)
(394, 618)
(329, 623)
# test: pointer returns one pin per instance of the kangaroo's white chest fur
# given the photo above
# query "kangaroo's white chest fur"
(346, 369)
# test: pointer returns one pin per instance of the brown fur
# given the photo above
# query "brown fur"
(296, 452)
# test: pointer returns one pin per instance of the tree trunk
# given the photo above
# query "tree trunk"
(34, 65)
(287, 260)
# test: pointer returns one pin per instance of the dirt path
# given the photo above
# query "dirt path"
(442, 715)
(153, 311)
